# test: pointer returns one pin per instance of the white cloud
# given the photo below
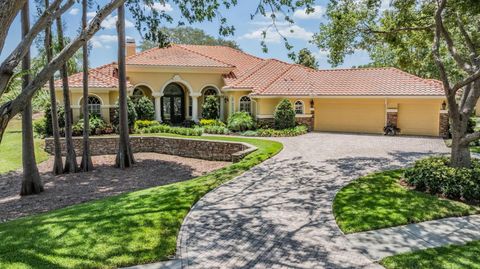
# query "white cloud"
(74, 11)
(91, 14)
(111, 21)
(302, 13)
(102, 41)
(274, 36)
(166, 7)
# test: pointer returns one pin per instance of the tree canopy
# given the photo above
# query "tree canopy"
(306, 58)
(188, 35)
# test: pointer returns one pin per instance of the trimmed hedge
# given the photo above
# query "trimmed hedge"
(142, 124)
(298, 130)
(284, 115)
(213, 129)
(162, 128)
(435, 176)
(207, 122)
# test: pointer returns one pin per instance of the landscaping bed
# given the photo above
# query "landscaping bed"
(448, 257)
(132, 228)
(379, 201)
(151, 170)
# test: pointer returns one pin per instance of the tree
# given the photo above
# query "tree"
(148, 23)
(306, 58)
(71, 165)
(443, 32)
(125, 155)
(31, 183)
(86, 163)
(187, 35)
(210, 109)
(284, 115)
(57, 161)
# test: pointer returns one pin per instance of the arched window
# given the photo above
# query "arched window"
(137, 94)
(299, 107)
(209, 91)
(94, 105)
(245, 104)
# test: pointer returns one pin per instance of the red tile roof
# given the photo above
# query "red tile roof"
(272, 77)
(101, 77)
(175, 56)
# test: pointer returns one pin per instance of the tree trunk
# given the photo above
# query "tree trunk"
(57, 162)
(460, 151)
(31, 183)
(71, 158)
(86, 164)
(124, 156)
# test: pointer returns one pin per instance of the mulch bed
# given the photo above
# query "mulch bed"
(150, 170)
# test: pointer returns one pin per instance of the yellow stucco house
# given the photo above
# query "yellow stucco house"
(178, 78)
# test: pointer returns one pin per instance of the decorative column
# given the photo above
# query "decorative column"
(443, 125)
(195, 106)
(222, 107)
(158, 106)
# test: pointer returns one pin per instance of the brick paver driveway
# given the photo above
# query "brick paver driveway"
(279, 215)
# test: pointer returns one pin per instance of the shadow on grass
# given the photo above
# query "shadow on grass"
(379, 201)
(134, 228)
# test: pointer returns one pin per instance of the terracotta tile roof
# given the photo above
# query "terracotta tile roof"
(101, 77)
(175, 56)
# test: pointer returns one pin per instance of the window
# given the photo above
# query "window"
(245, 104)
(190, 106)
(94, 105)
(209, 91)
(137, 94)
(299, 107)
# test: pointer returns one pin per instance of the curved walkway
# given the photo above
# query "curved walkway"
(278, 215)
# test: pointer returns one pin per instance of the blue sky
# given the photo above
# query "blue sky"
(247, 34)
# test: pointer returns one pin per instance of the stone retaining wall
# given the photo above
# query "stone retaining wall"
(192, 148)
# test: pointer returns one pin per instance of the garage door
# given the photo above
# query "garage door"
(350, 116)
(418, 119)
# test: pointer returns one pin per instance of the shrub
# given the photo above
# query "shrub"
(48, 119)
(211, 122)
(142, 124)
(210, 108)
(40, 127)
(250, 133)
(144, 108)
(214, 129)
(434, 175)
(188, 123)
(96, 124)
(162, 128)
(240, 121)
(298, 130)
(132, 114)
(284, 115)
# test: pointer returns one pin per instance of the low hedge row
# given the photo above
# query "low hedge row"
(435, 176)
(297, 130)
(162, 128)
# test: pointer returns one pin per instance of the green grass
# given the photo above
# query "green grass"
(133, 228)
(448, 257)
(11, 148)
(378, 201)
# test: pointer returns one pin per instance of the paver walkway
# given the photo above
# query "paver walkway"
(278, 215)
(390, 241)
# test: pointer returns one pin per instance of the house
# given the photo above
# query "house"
(178, 78)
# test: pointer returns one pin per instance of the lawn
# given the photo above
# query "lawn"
(378, 201)
(11, 148)
(132, 228)
(448, 257)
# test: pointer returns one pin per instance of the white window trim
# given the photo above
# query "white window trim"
(295, 107)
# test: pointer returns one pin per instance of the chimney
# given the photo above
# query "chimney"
(131, 47)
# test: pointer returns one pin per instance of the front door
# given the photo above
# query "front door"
(173, 104)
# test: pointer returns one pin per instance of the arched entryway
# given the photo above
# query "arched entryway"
(173, 104)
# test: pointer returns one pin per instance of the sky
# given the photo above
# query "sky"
(247, 32)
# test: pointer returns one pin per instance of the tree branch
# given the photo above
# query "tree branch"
(461, 63)
(471, 137)
(8, 11)
(12, 61)
(398, 30)
(473, 77)
(468, 40)
(12, 108)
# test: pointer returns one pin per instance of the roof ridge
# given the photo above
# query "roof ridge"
(143, 52)
(251, 71)
(352, 69)
(201, 54)
(223, 46)
(277, 77)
